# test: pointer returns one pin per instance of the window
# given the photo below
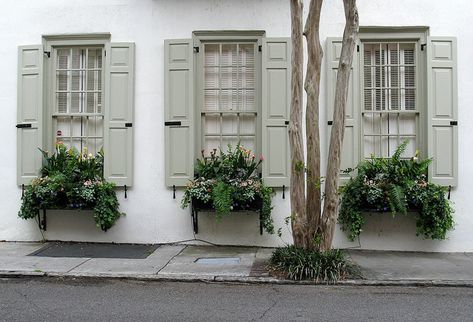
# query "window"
(403, 86)
(229, 109)
(77, 89)
(225, 87)
(390, 113)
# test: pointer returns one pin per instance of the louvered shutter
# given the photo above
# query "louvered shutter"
(29, 112)
(118, 132)
(442, 115)
(179, 111)
(351, 153)
(276, 96)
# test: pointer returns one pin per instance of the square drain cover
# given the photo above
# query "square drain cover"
(218, 260)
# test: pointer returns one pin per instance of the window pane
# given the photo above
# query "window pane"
(228, 100)
(61, 102)
(229, 55)
(247, 124)
(246, 55)
(230, 124)
(211, 77)
(63, 58)
(211, 100)
(212, 124)
(228, 77)
(211, 55)
(62, 79)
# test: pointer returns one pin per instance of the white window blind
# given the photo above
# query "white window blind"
(78, 114)
(390, 113)
(229, 111)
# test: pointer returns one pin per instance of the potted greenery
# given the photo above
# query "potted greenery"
(400, 186)
(227, 182)
(72, 180)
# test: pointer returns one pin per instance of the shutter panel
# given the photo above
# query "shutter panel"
(351, 152)
(118, 131)
(30, 112)
(442, 114)
(276, 96)
(179, 111)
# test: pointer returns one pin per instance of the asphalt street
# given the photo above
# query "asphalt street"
(50, 299)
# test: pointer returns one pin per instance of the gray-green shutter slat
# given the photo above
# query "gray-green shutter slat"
(442, 110)
(276, 97)
(351, 151)
(29, 112)
(119, 104)
(179, 111)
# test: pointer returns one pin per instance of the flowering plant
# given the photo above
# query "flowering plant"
(72, 180)
(228, 181)
(397, 185)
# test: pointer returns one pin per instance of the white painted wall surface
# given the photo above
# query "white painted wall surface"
(152, 215)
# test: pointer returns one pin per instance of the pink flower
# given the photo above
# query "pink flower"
(261, 158)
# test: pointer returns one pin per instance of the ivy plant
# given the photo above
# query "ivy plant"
(398, 185)
(72, 180)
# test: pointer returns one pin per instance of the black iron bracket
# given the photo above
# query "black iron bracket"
(128, 124)
(23, 125)
(453, 123)
(330, 123)
(283, 192)
(173, 192)
(196, 50)
(422, 46)
(22, 191)
(125, 192)
(47, 53)
(449, 190)
(260, 48)
(42, 220)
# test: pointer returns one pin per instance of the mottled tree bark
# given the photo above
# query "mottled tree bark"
(297, 188)
(330, 212)
(312, 88)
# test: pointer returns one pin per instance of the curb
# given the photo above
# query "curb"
(236, 279)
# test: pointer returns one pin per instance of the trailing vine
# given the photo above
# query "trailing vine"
(72, 180)
(397, 185)
(228, 181)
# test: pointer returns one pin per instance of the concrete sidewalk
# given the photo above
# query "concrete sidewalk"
(237, 264)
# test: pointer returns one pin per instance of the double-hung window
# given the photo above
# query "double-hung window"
(229, 107)
(227, 87)
(77, 90)
(78, 115)
(403, 86)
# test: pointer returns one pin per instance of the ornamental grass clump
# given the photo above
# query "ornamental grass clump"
(72, 180)
(400, 186)
(229, 180)
(297, 263)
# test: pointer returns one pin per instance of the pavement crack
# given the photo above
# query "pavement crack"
(78, 265)
(179, 253)
(271, 306)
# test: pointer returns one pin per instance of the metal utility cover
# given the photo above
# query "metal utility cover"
(96, 250)
(218, 260)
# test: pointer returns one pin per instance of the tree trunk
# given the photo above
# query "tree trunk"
(312, 88)
(330, 213)
(297, 188)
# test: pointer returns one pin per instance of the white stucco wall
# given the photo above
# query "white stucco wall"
(152, 215)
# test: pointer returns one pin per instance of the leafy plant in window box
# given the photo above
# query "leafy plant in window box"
(229, 181)
(72, 180)
(400, 186)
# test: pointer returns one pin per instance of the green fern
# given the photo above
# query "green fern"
(400, 150)
(397, 199)
(222, 199)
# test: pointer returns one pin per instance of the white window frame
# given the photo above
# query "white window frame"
(200, 37)
(50, 42)
(417, 35)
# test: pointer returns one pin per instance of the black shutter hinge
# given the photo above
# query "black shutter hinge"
(453, 122)
(128, 124)
(105, 53)
(330, 122)
(260, 48)
(47, 53)
(172, 123)
(422, 47)
(22, 125)
(358, 48)
(196, 49)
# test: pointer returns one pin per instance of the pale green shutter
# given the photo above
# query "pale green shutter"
(275, 100)
(351, 152)
(179, 111)
(119, 101)
(442, 115)
(29, 112)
